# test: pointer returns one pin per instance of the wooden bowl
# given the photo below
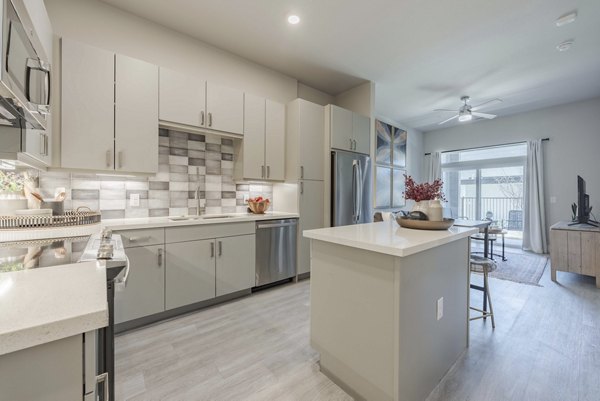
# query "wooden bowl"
(424, 224)
(259, 207)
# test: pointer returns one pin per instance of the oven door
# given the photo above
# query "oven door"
(25, 75)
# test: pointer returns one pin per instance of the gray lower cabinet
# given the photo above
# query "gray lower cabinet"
(190, 275)
(144, 294)
(235, 263)
(49, 372)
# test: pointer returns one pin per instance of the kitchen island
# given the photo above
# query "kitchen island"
(389, 306)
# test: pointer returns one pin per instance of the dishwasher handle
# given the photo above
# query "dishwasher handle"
(276, 225)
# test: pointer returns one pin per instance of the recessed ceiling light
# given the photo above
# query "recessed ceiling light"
(293, 19)
(566, 19)
(564, 46)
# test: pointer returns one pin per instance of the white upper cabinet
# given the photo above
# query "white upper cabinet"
(87, 107)
(109, 111)
(348, 130)
(225, 109)
(193, 102)
(305, 145)
(136, 115)
(263, 153)
(254, 137)
(182, 98)
(275, 140)
(341, 128)
(361, 132)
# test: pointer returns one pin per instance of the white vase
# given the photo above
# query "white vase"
(436, 211)
(421, 206)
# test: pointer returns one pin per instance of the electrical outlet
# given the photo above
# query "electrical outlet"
(134, 200)
(440, 308)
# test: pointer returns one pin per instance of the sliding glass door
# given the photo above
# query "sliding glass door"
(487, 183)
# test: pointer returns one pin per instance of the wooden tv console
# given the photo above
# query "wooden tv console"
(575, 249)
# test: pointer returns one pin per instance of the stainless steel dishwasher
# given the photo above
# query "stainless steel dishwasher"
(275, 250)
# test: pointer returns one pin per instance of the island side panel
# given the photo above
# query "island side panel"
(353, 318)
(429, 347)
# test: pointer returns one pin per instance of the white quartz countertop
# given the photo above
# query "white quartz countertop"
(46, 304)
(388, 237)
(158, 222)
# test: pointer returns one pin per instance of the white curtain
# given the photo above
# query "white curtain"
(534, 224)
(434, 167)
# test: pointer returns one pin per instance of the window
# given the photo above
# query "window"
(390, 166)
(487, 183)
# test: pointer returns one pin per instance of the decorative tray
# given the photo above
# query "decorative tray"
(424, 224)
(70, 218)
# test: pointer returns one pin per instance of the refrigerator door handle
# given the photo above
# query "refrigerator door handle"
(355, 180)
(359, 189)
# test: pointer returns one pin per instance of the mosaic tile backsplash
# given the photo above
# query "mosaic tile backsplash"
(187, 163)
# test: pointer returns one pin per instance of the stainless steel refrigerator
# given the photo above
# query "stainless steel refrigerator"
(351, 188)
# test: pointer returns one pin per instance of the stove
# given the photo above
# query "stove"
(107, 248)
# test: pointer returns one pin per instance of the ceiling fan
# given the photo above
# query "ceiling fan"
(467, 112)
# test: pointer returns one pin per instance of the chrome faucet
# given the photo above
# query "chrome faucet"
(197, 193)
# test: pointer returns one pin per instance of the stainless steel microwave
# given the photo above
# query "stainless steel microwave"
(24, 70)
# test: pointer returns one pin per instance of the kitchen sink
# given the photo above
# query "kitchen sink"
(217, 216)
(183, 218)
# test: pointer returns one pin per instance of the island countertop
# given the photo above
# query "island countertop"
(388, 237)
(38, 306)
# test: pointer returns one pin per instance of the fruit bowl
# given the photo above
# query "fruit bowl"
(258, 205)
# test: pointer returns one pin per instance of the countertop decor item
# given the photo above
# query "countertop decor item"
(423, 194)
(57, 207)
(34, 212)
(436, 211)
(424, 224)
(70, 218)
(258, 205)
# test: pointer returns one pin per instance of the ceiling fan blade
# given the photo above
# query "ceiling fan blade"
(454, 111)
(483, 115)
(474, 108)
(451, 118)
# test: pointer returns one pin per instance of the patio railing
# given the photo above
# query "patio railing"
(508, 212)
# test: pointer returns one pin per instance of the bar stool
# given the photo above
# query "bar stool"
(479, 264)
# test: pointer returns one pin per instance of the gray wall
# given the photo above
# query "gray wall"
(574, 147)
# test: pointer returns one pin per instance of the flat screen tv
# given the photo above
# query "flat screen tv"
(583, 204)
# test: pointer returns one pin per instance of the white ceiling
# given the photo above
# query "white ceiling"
(422, 54)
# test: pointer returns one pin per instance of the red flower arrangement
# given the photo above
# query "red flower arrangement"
(423, 191)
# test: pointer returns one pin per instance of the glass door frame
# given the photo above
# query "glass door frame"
(477, 166)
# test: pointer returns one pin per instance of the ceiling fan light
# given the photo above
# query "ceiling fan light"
(465, 117)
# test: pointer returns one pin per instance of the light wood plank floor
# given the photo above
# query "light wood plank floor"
(546, 347)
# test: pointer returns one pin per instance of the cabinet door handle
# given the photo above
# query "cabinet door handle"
(220, 248)
(301, 187)
(136, 239)
(301, 172)
(262, 171)
(42, 144)
(268, 171)
(120, 159)
(46, 141)
(202, 117)
(210, 119)
(160, 256)
(108, 158)
(350, 143)
(212, 249)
